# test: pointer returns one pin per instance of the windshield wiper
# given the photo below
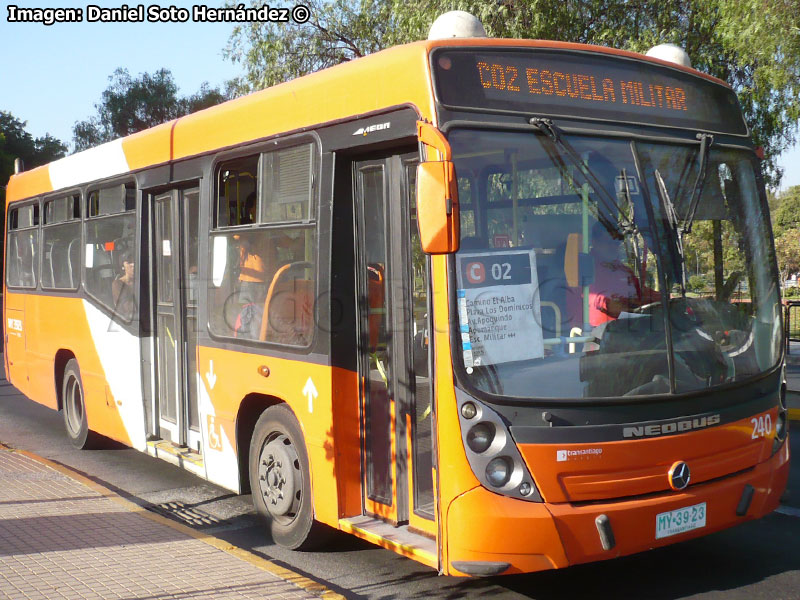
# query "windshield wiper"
(662, 272)
(623, 226)
(675, 228)
(706, 140)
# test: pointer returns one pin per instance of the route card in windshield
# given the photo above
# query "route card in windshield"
(498, 307)
(584, 85)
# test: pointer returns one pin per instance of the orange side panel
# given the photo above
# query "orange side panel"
(346, 446)
(151, 147)
(56, 322)
(30, 183)
(238, 374)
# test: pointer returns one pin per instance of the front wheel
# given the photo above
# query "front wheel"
(74, 409)
(280, 480)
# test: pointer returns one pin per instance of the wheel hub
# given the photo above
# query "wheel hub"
(280, 478)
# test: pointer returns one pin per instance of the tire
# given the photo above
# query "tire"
(280, 481)
(74, 409)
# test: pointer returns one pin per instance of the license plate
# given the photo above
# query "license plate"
(680, 520)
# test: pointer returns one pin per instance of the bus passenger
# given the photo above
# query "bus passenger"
(615, 288)
(122, 287)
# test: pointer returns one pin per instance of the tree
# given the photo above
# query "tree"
(16, 142)
(752, 44)
(787, 251)
(786, 215)
(130, 105)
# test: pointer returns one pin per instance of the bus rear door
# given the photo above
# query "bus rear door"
(175, 263)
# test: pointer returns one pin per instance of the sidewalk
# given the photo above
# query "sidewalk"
(63, 536)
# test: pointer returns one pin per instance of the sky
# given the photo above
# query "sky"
(52, 76)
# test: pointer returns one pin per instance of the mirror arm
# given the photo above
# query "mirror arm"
(432, 137)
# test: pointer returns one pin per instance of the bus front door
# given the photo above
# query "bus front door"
(175, 263)
(397, 444)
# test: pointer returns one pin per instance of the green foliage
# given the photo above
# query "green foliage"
(791, 292)
(15, 142)
(752, 44)
(786, 214)
(696, 283)
(132, 104)
(787, 251)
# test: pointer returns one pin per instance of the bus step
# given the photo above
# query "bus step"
(177, 455)
(399, 539)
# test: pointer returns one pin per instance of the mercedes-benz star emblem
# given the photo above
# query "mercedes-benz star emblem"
(679, 475)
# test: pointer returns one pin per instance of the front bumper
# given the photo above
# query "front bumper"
(484, 527)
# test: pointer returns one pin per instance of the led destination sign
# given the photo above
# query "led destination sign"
(554, 83)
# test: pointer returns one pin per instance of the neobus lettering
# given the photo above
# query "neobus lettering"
(667, 428)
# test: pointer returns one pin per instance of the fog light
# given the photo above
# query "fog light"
(525, 488)
(498, 471)
(480, 437)
(468, 410)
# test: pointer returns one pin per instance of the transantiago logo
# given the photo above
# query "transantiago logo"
(564, 455)
(371, 128)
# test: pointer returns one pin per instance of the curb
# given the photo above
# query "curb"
(794, 414)
(301, 581)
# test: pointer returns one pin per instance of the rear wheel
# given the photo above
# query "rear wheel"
(74, 408)
(280, 481)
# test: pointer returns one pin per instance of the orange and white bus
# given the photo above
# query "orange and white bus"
(440, 297)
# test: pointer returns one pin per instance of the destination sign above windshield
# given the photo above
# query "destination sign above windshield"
(584, 85)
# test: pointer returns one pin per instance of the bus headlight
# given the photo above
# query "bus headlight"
(480, 437)
(468, 410)
(498, 471)
(491, 452)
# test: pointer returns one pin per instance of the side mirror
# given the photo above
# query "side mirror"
(437, 207)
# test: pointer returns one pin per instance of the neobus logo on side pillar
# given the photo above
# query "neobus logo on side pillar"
(672, 427)
(371, 128)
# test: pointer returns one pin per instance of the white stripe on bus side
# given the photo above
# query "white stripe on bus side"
(219, 455)
(103, 161)
(120, 356)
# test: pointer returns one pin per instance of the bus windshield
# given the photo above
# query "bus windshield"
(594, 267)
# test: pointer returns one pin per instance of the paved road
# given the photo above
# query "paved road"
(754, 560)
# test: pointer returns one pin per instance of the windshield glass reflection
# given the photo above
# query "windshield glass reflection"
(583, 272)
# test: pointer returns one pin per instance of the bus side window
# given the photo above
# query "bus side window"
(22, 255)
(263, 286)
(110, 233)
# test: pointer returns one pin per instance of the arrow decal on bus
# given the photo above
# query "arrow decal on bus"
(211, 376)
(310, 390)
